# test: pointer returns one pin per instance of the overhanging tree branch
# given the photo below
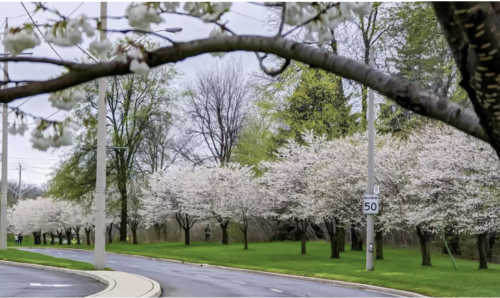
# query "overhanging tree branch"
(407, 95)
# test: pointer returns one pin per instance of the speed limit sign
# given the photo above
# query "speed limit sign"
(370, 204)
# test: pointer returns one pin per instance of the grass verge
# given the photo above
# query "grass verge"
(15, 255)
(400, 269)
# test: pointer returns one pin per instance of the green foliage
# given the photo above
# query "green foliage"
(419, 54)
(316, 104)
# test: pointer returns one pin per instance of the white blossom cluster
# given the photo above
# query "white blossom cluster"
(62, 136)
(46, 215)
(16, 40)
(323, 17)
(142, 15)
(66, 99)
(69, 33)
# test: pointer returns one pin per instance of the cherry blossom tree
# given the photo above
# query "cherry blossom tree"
(178, 193)
(233, 194)
(340, 183)
(456, 186)
(288, 183)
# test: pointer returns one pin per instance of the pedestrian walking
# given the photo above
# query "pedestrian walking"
(207, 233)
(20, 239)
(17, 238)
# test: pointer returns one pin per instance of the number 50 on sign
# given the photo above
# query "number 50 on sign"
(370, 204)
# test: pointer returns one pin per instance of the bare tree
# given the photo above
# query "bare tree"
(217, 105)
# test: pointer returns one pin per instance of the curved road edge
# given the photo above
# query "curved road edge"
(346, 284)
(119, 284)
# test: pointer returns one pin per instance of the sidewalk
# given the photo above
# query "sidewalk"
(120, 284)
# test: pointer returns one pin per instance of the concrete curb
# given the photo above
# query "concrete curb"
(118, 283)
(366, 287)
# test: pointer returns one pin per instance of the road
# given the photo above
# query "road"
(183, 280)
(18, 281)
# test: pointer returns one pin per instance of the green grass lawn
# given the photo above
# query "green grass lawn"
(401, 269)
(15, 255)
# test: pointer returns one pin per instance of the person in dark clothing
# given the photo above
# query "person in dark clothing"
(20, 239)
(207, 233)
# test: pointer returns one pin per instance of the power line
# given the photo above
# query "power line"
(248, 16)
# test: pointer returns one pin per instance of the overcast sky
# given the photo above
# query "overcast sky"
(244, 19)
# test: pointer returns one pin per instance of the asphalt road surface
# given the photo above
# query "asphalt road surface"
(183, 280)
(18, 281)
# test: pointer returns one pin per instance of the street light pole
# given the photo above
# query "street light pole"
(100, 184)
(3, 199)
(370, 218)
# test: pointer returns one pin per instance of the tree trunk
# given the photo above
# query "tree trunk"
(490, 240)
(60, 236)
(333, 231)
(157, 230)
(52, 238)
(122, 186)
(68, 237)
(424, 238)
(186, 236)
(379, 242)
(44, 238)
(481, 247)
(303, 238)
(110, 233)
(37, 238)
(225, 236)
(245, 238)
(77, 231)
(356, 241)
(87, 235)
(342, 239)
(134, 235)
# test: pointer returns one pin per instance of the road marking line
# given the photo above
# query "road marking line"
(59, 253)
(56, 286)
(75, 256)
(166, 270)
(276, 290)
(111, 262)
(136, 265)
(240, 282)
(202, 275)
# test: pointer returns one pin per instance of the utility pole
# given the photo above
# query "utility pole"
(370, 217)
(5, 148)
(19, 187)
(100, 183)
(3, 207)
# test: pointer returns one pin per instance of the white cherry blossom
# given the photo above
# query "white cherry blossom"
(16, 40)
(100, 46)
(141, 15)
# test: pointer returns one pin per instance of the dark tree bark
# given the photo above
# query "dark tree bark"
(87, 234)
(77, 231)
(303, 239)
(187, 239)
(158, 228)
(186, 222)
(356, 240)
(44, 238)
(424, 237)
(333, 231)
(68, 236)
(52, 238)
(342, 239)
(481, 247)
(134, 235)
(379, 242)
(60, 236)
(109, 230)
(37, 239)
(224, 223)
(490, 240)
